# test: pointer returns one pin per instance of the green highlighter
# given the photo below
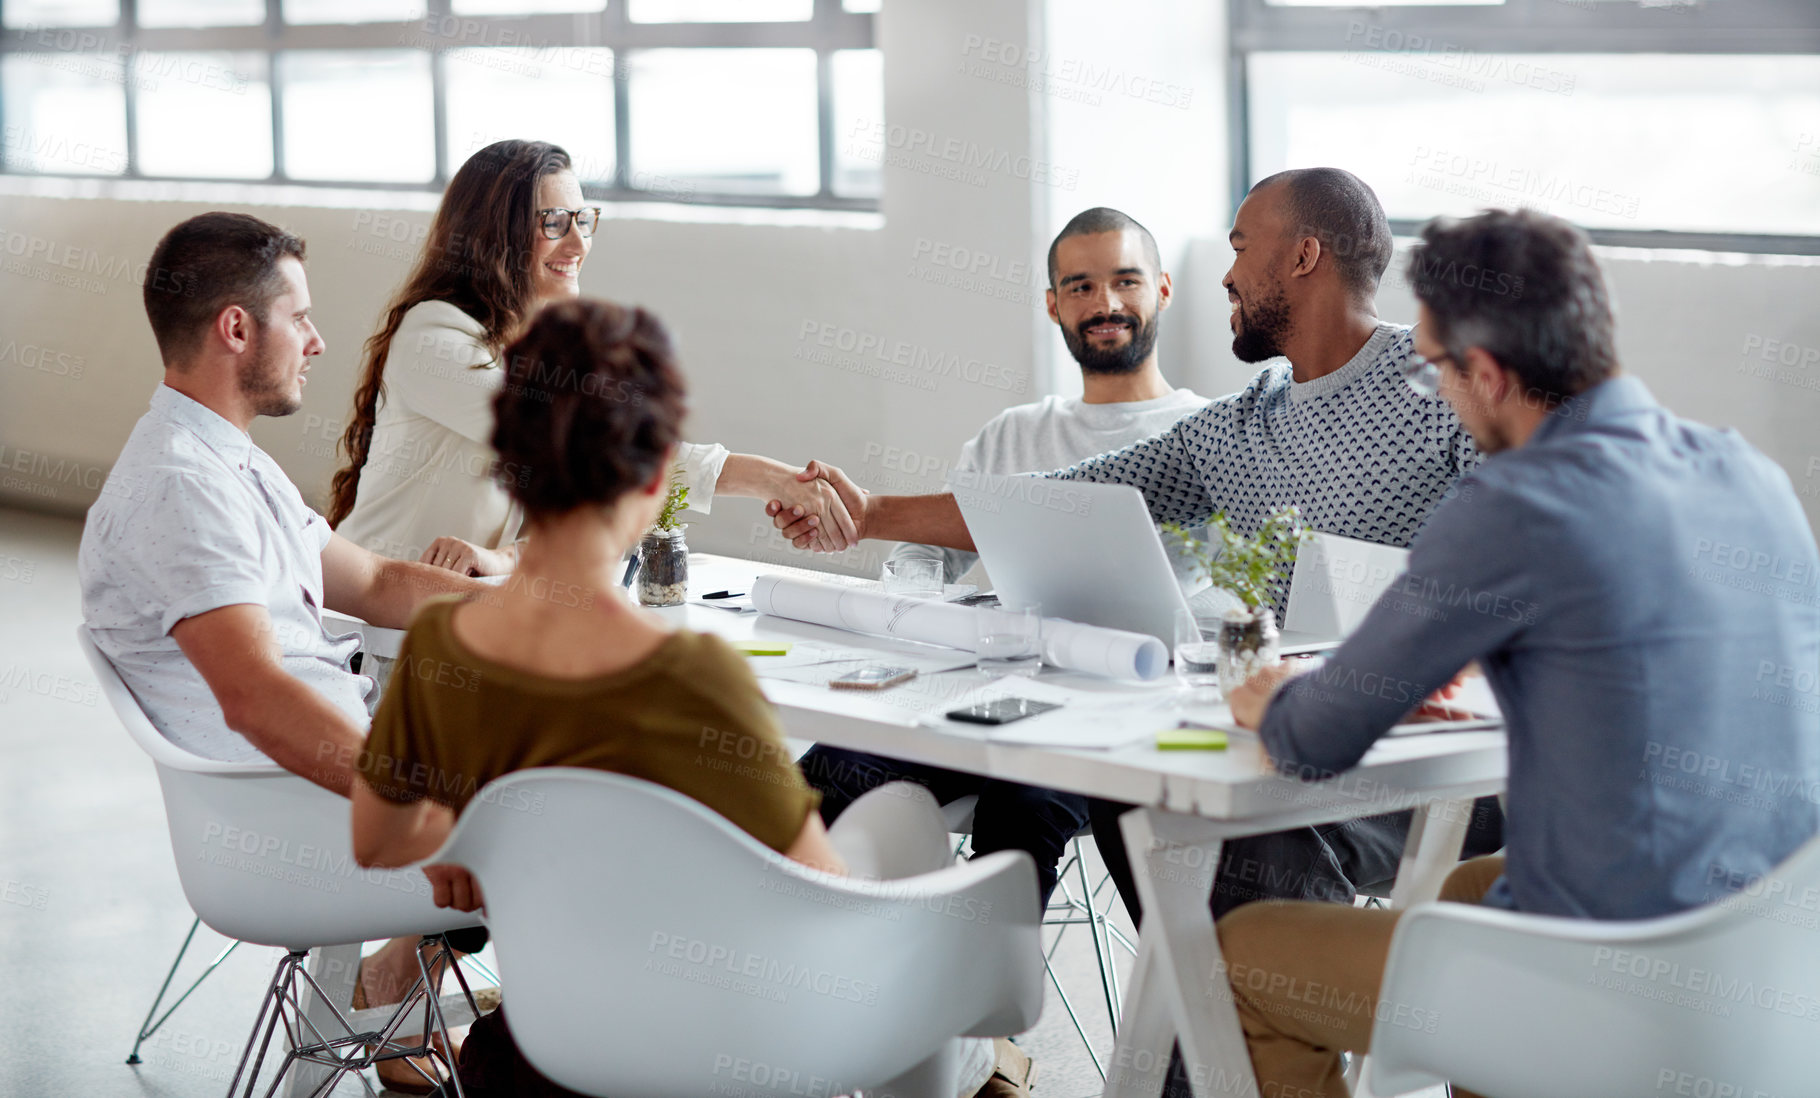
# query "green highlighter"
(1191, 737)
(763, 648)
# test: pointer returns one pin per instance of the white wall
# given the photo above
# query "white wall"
(752, 302)
(762, 311)
(1142, 115)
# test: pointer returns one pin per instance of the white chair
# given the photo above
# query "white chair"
(1067, 908)
(154, 1020)
(1720, 1000)
(894, 831)
(267, 857)
(685, 958)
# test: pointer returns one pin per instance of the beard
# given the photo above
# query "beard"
(263, 382)
(1112, 360)
(1263, 326)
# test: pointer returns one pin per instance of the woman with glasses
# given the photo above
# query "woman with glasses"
(511, 235)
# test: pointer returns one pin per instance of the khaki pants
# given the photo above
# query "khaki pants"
(1305, 979)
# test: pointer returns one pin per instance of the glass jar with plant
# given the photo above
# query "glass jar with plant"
(663, 556)
(1253, 569)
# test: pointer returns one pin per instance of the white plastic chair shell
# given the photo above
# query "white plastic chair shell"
(265, 856)
(896, 830)
(653, 948)
(1720, 1000)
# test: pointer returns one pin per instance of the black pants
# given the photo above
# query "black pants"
(1330, 862)
(1009, 817)
(491, 1066)
(469, 939)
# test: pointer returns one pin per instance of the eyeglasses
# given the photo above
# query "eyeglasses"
(1424, 374)
(555, 221)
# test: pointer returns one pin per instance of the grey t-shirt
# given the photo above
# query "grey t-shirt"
(1054, 433)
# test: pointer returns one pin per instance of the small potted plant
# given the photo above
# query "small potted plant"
(1252, 569)
(663, 556)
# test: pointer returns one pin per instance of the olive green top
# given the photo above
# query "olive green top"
(689, 716)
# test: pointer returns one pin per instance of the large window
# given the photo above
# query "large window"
(733, 102)
(1669, 123)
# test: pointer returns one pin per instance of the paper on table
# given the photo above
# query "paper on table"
(1085, 720)
(739, 605)
(819, 664)
(950, 591)
(1478, 712)
(742, 579)
(1110, 652)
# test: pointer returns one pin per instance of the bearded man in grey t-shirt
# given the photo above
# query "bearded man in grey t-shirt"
(1108, 275)
(1109, 297)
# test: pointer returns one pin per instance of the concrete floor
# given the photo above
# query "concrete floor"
(90, 909)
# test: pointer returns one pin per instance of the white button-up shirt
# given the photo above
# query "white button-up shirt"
(192, 518)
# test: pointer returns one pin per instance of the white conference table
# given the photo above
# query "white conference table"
(1189, 803)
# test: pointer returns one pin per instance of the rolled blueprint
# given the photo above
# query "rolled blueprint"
(1067, 644)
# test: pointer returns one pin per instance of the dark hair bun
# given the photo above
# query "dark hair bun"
(591, 403)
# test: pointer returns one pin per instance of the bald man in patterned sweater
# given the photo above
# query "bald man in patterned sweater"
(1334, 431)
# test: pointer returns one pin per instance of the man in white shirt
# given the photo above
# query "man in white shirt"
(203, 572)
(1124, 396)
(1109, 293)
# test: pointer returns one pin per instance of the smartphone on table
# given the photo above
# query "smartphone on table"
(873, 676)
(1000, 710)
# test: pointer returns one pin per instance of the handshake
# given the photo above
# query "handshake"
(816, 507)
(819, 508)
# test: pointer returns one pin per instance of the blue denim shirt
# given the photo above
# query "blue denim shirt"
(1642, 594)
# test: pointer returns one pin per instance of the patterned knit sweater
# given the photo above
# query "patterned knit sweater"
(1361, 453)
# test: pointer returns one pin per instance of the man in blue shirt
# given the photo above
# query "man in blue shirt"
(1638, 590)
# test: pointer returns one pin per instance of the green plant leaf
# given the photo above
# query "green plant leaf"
(1253, 567)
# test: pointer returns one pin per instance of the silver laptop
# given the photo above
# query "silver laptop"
(1336, 582)
(1090, 553)
(1084, 552)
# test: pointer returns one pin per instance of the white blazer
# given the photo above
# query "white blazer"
(428, 470)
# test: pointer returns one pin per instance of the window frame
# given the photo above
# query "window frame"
(1530, 27)
(830, 28)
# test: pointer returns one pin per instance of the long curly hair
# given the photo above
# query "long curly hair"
(593, 400)
(477, 258)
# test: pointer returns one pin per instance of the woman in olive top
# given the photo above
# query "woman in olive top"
(558, 667)
(510, 236)
(536, 680)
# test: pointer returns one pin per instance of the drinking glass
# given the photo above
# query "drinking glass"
(918, 576)
(1010, 640)
(1197, 657)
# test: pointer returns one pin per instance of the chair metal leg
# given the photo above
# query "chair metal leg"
(474, 963)
(433, 1007)
(1079, 1030)
(335, 970)
(1096, 926)
(1065, 910)
(270, 1004)
(146, 1027)
(1114, 934)
(347, 1050)
(149, 1027)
